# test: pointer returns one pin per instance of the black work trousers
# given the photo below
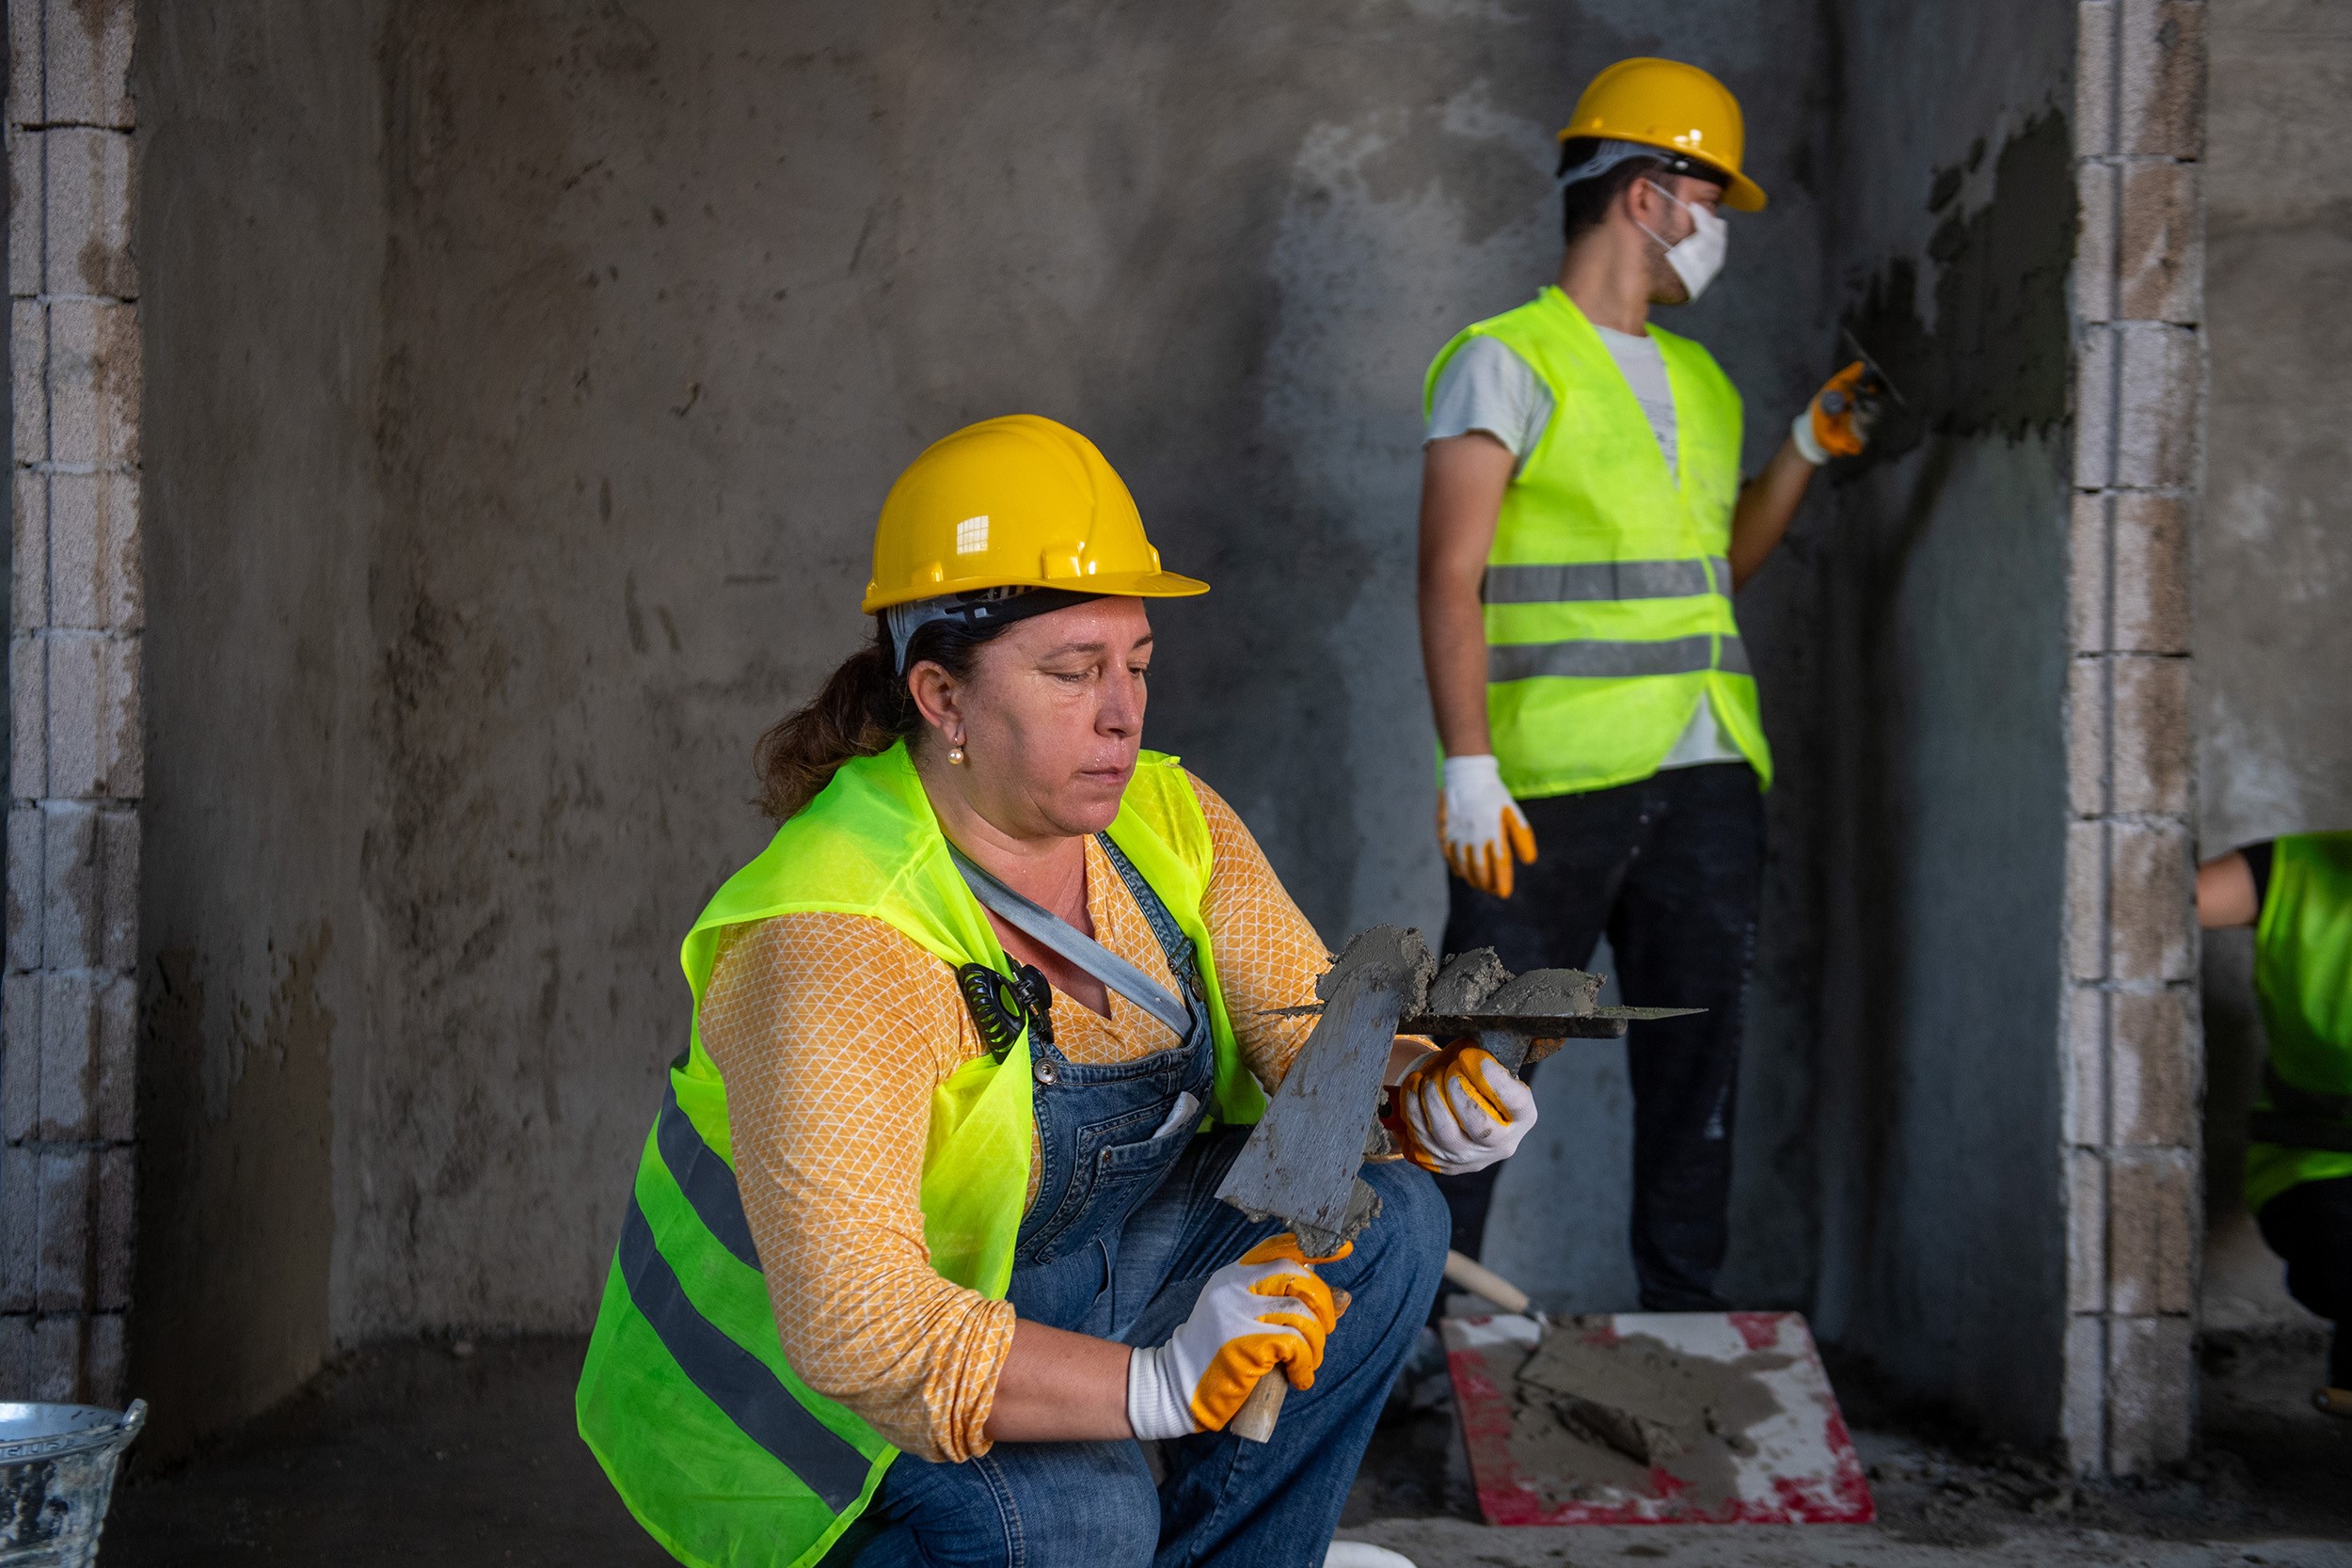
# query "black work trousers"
(2309, 1226)
(1671, 868)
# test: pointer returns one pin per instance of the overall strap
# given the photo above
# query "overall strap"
(1174, 945)
(1043, 925)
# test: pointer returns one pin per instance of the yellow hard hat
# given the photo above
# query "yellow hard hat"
(1017, 501)
(1668, 104)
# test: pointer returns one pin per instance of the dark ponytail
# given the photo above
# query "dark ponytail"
(864, 708)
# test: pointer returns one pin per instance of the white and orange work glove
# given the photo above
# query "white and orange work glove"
(1459, 1111)
(1836, 423)
(1268, 1310)
(1481, 826)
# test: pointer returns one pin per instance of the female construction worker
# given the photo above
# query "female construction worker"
(925, 1229)
(2296, 893)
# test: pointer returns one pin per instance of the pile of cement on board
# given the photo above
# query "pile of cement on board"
(1597, 1414)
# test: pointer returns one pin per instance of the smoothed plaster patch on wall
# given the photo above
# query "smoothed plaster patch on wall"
(1992, 352)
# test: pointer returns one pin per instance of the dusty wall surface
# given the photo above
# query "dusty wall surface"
(667, 309)
(1944, 613)
(526, 379)
(2274, 552)
(262, 230)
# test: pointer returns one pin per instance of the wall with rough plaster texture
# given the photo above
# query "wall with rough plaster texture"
(2274, 547)
(526, 379)
(263, 983)
(523, 382)
(1938, 1110)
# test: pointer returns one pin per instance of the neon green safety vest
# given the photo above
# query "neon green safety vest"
(2303, 979)
(721, 1450)
(1607, 591)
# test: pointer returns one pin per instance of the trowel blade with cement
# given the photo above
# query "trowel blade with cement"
(1299, 1164)
(1516, 1018)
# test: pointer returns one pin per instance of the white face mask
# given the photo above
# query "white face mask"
(1698, 256)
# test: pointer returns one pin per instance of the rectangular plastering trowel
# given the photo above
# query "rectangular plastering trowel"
(1299, 1165)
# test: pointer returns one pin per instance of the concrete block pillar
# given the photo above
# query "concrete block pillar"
(2130, 1038)
(67, 1013)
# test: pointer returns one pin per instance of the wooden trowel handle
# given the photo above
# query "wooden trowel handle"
(1254, 1421)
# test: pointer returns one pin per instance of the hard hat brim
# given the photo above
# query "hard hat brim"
(1116, 585)
(1743, 195)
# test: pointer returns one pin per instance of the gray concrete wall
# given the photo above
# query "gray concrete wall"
(1944, 669)
(525, 378)
(262, 237)
(2274, 553)
(525, 381)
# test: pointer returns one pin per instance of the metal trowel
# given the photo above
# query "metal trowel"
(1876, 386)
(1299, 1164)
(1516, 1019)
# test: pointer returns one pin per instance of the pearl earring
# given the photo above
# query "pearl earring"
(954, 755)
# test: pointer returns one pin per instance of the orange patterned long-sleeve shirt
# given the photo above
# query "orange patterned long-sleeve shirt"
(831, 1031)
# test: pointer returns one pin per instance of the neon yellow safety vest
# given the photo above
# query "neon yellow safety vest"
(1607, 591)
(720, 1450)
(2303, 981)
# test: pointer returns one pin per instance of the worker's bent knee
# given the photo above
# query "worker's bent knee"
(1413, 1215)
(1402, 1254)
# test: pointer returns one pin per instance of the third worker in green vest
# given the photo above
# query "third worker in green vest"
(1584, 527)
(2296, 893)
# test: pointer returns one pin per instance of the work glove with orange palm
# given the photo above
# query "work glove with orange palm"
(1459, 1110)
(1836, 423)
(1480, 827)
(1268, 1310)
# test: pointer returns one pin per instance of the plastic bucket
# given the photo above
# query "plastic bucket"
(57, 1474)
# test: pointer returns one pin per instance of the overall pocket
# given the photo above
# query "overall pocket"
(1112, 1170)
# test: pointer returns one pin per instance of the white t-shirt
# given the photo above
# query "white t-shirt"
(1487, 386)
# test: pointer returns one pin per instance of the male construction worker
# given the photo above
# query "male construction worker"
(1583, 529)
(2296, 893)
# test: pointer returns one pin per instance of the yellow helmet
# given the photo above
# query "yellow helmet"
(1668, 104)
(1017, 501)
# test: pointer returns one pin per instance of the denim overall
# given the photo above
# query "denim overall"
(1104, 1146)
(1124, 1231)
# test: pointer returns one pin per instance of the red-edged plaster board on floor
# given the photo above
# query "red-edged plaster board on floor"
(1803, 1469)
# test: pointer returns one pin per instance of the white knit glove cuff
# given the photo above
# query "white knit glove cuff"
(1474, 800)
(1476, 768)
(1801, 432)
(1156, 1408)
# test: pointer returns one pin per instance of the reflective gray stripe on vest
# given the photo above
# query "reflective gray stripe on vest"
(705, 1178)
(1676, 656)
(735, 1380)
(1043, 925)
(1586, 582)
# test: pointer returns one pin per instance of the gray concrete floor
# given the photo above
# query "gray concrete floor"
(410, 1453)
